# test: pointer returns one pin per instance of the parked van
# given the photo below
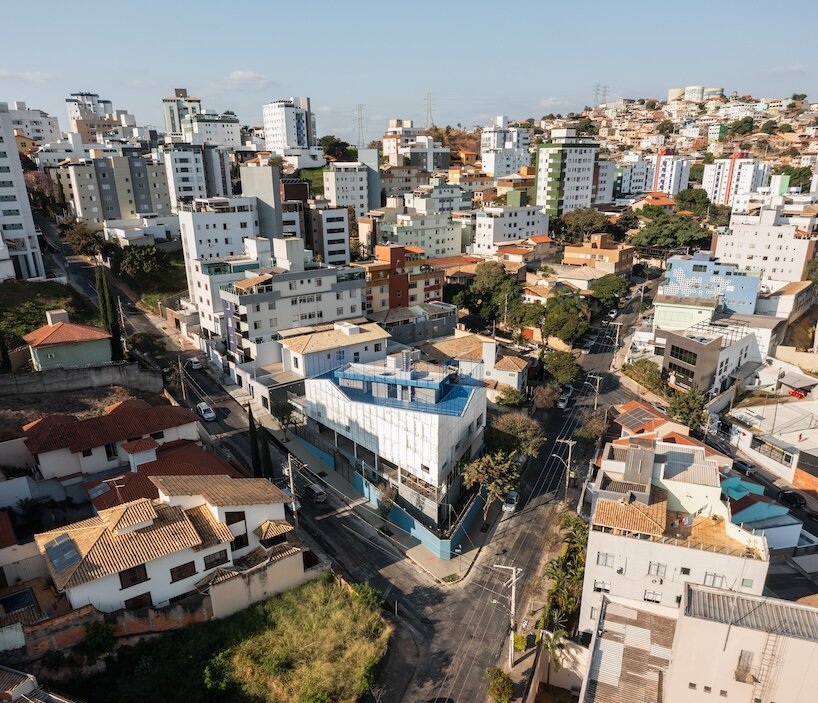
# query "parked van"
(315, 493)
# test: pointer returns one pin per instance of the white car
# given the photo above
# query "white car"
(195, 363)
(205, 412)
(562, 402)
(510, 503)
(613, 314)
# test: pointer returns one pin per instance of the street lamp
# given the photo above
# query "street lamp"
(598, 380)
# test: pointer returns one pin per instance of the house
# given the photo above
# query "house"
(154, 552)
(64, 447)
(660, 200)
(63, 344)
(19, 686)
(417, 323)
(601, 253)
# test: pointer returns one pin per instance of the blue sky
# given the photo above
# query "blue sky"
(476, 58)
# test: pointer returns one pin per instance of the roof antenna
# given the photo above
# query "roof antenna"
(116, 486)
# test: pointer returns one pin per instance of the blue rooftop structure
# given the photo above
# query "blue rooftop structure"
(702, 275)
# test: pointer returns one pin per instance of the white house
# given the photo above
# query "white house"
(64, 446)
(153, 552)
(657, 522)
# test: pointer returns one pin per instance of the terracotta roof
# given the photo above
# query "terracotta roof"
(172, 459)
(272, 528)
(633, 516)
(414, 250)
(130, 514)
(140, 445)
(130, 418)
(467, 347)
(7, 536)
(511, 363)
(222, 490)
(64, 333)
(513, 250)
(221, 574)
(102, 552)
(11, 679)
(540, 238)
(209, 528)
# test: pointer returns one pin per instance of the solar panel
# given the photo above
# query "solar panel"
(97, 491)
(62, 552)
(635, 417)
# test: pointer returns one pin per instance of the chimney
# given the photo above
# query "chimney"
(55, 316)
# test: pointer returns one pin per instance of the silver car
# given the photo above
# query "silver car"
(510, 503)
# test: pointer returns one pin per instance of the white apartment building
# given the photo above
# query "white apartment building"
(435, 234)
(289, 131)
(438, 196)
(657, 523)
(52, 154)
(211, 128)
(565, 172)
(739, 175)
(35, 124)
(504, 149)
(671, 173)
(407, 423)
(495, 226)
(634, 175)
(20, 255)
(399, 135)
(424, 152)
(174, 109)
(773, 233)
(604, 181)
(197, 172)
(79, 104)
(346, 184)
(328, 232)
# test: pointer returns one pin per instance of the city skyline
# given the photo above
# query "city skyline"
(465, 86)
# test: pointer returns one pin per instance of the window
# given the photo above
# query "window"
(652, 597)
(110, 451)
(714, 580)
(683, 355)
(240, 542)
(691, 686)
(88, 452)
(378, 346)
(685, 571)
(131, 577)
(707, 689)
(746, 583)
(143, 601)
(604, 559)
(213, 560)
(177, 573)
(602, 586)
(723, 693)
(158, 435)
(232, 517)
(657, 569)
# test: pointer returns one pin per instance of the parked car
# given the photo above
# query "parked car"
(195, 363)
(612, 314)
(562, 402)
(791, 498)
(746, 467)
(294, 503)
(586, 348)
(511, 501)
(658, 406)
(315, 493)
(205, 412)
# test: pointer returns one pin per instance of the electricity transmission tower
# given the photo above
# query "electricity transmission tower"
(427, 105)
(360, 125)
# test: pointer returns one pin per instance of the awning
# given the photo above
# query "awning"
(798, 381)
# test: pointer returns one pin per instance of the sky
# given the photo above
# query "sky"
(476, 59)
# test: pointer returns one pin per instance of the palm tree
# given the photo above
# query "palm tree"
(553, 644)
(555, 569)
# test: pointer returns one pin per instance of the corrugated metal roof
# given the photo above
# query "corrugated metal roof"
(752, 612)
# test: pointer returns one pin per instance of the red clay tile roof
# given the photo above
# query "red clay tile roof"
(131, 418)
(659, 418)
(64, 333)
(540, 238)
(172, 459)
(7, 536)
(140, 445)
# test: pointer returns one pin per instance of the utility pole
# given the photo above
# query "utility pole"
(598, 380)
(182, 378)
(570, 443)
(516, 572)
(294, 505)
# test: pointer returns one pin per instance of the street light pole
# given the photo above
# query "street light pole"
(290, 471)
(516, 572)
(570, 443)
(182, 377)
(598, 380)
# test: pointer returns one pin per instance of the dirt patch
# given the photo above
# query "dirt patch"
(16, 411)
(800, 333)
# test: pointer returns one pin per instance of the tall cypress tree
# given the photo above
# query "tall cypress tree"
(255, 457)
(102, 298)
(264, 453)
(112, 324)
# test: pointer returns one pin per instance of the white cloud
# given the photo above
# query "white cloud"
(245, 79)
(31, 76)
(551, 102)
(786, 70)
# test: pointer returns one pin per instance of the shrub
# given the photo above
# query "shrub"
(510, 397)
(368, 595)
(218, 673)
(520, 642)
(501, 687)
(99, 638)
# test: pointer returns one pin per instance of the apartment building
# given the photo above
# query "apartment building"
(398, 180)
(438, 196)
(346, 184)
(633, 175)
(174, 109)
(211, 128)
(495, 226)
(20, 255)
(328, 233)
(399, 276)
(289, 132)
(51, 154)
(78, 103)
(403, 422)
(399, 134)
(197, 171)
(671, 172)
(113, 188)
(35, 124)
(775, 234)
(504, 149)
(565, 172)
(657, 523)
(425, 153)
(741, 174)
(434, 235)
(601, 252)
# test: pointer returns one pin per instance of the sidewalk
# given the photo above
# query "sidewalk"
(450, 571)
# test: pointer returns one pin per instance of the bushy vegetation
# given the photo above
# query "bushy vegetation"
(646, 373)
(319, 642)
(566, 573)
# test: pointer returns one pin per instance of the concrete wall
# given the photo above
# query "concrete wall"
(57, 380)
(23, 562)
(808, 361)
(13, 452)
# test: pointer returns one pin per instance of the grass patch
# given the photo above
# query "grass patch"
(451, 578)
(319, 642)
(315, 177)
(149, 291)
(23, 305)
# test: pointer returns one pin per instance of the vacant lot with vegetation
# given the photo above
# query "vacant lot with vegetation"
(319, 643)
(315, 177)
(23, 305)
(149, 289)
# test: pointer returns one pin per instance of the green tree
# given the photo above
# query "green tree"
(583, 222)
(609, 288)
(108, 312)
(546, 396)
(283, 411)
(553, 645)
(82, 240)
(688, 407)
(670, 231)
(488, 276)
(693, 199)
(743, 126)
(510, 397)
(562, 366)
(664, 127)
(566, 317)
(501, 686)
(768, 127)
(785, 128)
(800, 176)
(142, 261)
(708, 158)
(255, 456)
(526, 314)
(628, 219)
(586, 126)
(337, 148)
(696, 173)
(515, 432)
(496, 474)
(218, 673)
(799, 96)
(650, 104)
(591, 425)
(811, 271)
(646, 373)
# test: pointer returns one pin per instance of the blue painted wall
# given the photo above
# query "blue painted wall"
(698, 276)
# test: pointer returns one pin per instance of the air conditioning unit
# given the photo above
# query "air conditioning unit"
(620, 570)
